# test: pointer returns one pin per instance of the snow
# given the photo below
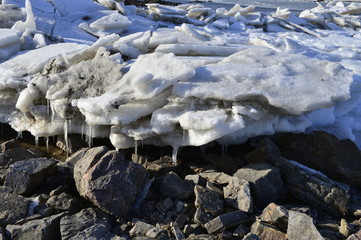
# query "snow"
(179, 75)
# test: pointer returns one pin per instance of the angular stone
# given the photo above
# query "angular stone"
(113, 183)
(178, 233)
(215, 177)
(201, 237)
(13, 155)
(25, 176)
(164, 205)
(71, 225)
(301, 227)
(237, 194)
(97, 231)
(12, 208)
(69, 164)
(265, 182)
(225, 221)
(251, 236)
(42, 229)
(181, 220)
(202, 217)
(197, 179)
(154, 232)
(345, 228)
(267, 232)
(275, 215)
(176, 187)
(240, 231)
(315, 188)
(214, 188)
(63, 202)
(338, 159)
(140, 229)
(209, 200)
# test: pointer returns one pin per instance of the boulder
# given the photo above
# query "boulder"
(113, 183)
(265, 182)
(237, 194)
(41, 229)
(63, 202)
(12, 208)
(174, 186)
(13, 155)
(25, 176)
(301, 227)
(209, 200)
(71, 225)
(338, 159)
(225, 221)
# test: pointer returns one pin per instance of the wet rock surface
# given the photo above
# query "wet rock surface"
(99, 193)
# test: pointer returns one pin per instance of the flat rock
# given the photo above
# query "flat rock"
(42, 229)
(225, 221)
(265, 182)
(25, 176)
(237, 194)
(301, 227)
(174, 186)
(10, 214)
(209, 200)
(71, 225)
(113, 183)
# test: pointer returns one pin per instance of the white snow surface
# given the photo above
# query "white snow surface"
(179, 75)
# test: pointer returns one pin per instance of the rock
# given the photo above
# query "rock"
(338, 159)
(197, 179)
(140, 229)
(215, 177)
(13, 143)
(201, 237)
(345, 228)
(63, 202)
(267, 232)
(301, 227)
(315, 188)
(240, 231)
(13, 155)
(237, 194)
(265, 151)
(71, 225)
(209, 200)
(178, 233)
(164, 205)
(251, 236)
(265, 182)
(89, 159)
(25, 176)
(223, 162)
(356, 236)
(97, 231)
(154, 232)
(181, 220)
(212, 186)
(201, 217)
(275, 215)
(69, 164)
(42, 229)
(9, 214)
(176, 187)
(225, 221)
(112, 183)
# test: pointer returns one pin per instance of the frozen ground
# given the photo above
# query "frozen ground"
(180, 75)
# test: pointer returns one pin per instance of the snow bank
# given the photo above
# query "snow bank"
(182, 75)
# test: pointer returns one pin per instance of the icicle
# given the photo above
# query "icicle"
(47, 143)
(52, 112)
(66, 136)
(224, 150)
(174, 155)
(37, 141)
(47, 107)
(136, 147)
(90, 136)
(20, 135)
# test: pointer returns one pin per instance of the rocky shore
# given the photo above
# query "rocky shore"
(292, 186)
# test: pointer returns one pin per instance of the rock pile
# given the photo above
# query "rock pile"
(99, 193)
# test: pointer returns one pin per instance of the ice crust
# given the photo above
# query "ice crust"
(179, 75)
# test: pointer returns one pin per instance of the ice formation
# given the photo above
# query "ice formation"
(180, 75)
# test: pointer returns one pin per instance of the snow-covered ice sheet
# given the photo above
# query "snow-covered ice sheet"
(179, 75)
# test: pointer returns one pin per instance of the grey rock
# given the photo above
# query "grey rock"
(113, 183)
(90, 158)
(215, 177)
(197, 179)
(63, 202)
(181, 220)
(214, 188)
(225, 221)
(13, 155)
(240, 231)
(42, 229)
(71, 225)
(265, 182)
(237, 194)
(201, 237)
(140, 229)
(209, 200)
(264, 153)
(154, 232)
(301, 227)
(25, 176)
(96, 232)
(165, 205)
(251, 236)
(201, 217)
(178, 233)
(266, 231)
(174, 186)
(12, 208)
(275, 215)
(69, 164)
(13, 143)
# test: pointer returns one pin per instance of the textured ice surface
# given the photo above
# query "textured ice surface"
(180, 75)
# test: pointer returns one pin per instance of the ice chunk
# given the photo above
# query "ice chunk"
(197, 50)
(30, 19)
(114, 21)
